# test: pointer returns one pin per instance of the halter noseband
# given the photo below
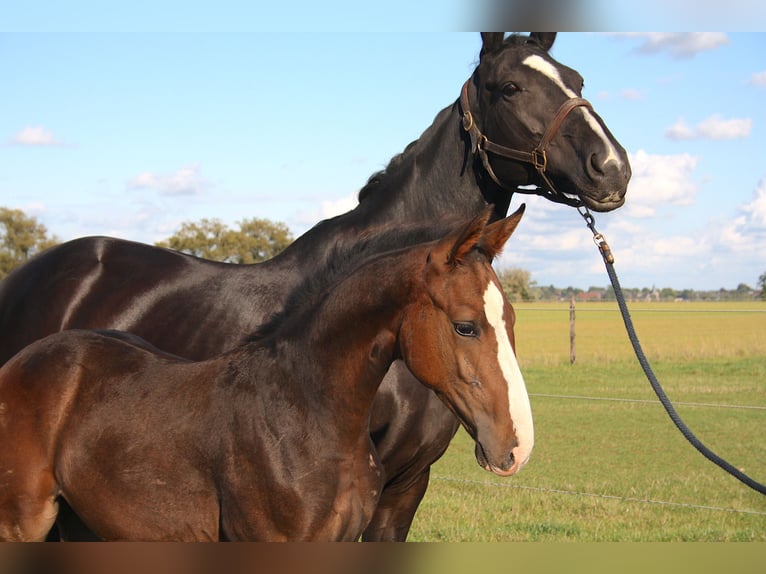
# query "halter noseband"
(480, 145)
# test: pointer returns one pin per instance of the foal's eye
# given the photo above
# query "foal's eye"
(466, 330)
(509, 89)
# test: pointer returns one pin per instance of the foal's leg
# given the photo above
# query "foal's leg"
(28, 505)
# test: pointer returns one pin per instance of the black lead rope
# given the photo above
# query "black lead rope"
(606, 253)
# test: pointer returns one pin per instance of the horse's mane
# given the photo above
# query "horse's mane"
(341, 260)
(384, 177)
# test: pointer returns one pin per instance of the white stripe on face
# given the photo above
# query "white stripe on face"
(518, 400)
(547, 69)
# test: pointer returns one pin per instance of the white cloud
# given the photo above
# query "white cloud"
(557, 248)
(632, 94)
(758, 79)
(338, 206)
(741, 241)
(326, 210)
(144, 180)
(680, 131)
(755, 211)
(660, 180)
(678, 44)
(715, 127)
(186, 181)
(35, 136)
(552, 239)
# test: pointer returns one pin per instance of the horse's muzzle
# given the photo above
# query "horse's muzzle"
(508, 467)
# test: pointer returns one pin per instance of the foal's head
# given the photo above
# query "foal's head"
(457, 338)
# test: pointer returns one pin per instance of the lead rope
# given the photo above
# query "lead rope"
(606, 254)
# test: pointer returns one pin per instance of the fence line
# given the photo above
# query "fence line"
(594, 495)
(584, 306)
(647, 401)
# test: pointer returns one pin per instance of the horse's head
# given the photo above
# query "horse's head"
(528, 122)
(457, 338)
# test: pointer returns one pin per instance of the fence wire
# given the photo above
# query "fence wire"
(596, 495)
(648, 401)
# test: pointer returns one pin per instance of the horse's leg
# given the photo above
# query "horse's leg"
(28, 504)
(396, 510)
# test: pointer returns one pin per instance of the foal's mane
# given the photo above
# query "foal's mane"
(345, 256)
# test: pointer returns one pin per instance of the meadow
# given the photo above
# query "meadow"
(608, 463)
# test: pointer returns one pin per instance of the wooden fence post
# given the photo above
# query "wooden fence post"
(572, 354)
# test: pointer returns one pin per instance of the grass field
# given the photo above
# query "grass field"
(608, 463)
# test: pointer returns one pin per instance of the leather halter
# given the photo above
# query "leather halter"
(480, 145)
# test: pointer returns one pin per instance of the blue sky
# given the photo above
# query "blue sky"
(124, 133)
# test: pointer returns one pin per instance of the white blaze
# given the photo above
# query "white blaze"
(549, 71)
(518, 400)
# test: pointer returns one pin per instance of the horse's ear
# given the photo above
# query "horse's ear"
(457, 245)
(496, 234)
(491, 42)
(545, 39)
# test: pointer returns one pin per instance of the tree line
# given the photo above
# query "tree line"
(256, 239)
(253, 240)
(519, 286)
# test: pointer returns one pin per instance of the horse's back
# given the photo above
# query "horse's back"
(91, 282)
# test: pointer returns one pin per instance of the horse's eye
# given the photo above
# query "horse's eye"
(510, 89)
(466, 330)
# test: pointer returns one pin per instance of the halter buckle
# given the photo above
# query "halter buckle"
(539, 159)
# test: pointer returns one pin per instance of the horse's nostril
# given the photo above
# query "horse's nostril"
(596, 166)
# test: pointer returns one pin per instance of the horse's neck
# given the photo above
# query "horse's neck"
(432, 178)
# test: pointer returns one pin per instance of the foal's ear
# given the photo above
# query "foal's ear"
(468, 238)
(496, 234)
(490, 42)
(545, 39)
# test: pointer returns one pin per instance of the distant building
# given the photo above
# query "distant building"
(590, 296)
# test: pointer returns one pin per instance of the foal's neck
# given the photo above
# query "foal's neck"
(352, 338)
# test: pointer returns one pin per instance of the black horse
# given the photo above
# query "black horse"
(518, 121)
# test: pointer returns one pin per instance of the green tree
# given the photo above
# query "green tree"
(762, 285)
(667, 294)
(517, 284)
(743, 292)
(21, 237)
(255, 240)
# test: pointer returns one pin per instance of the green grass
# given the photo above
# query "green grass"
(618, 470)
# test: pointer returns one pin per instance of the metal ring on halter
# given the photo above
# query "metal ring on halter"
(467, 120)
